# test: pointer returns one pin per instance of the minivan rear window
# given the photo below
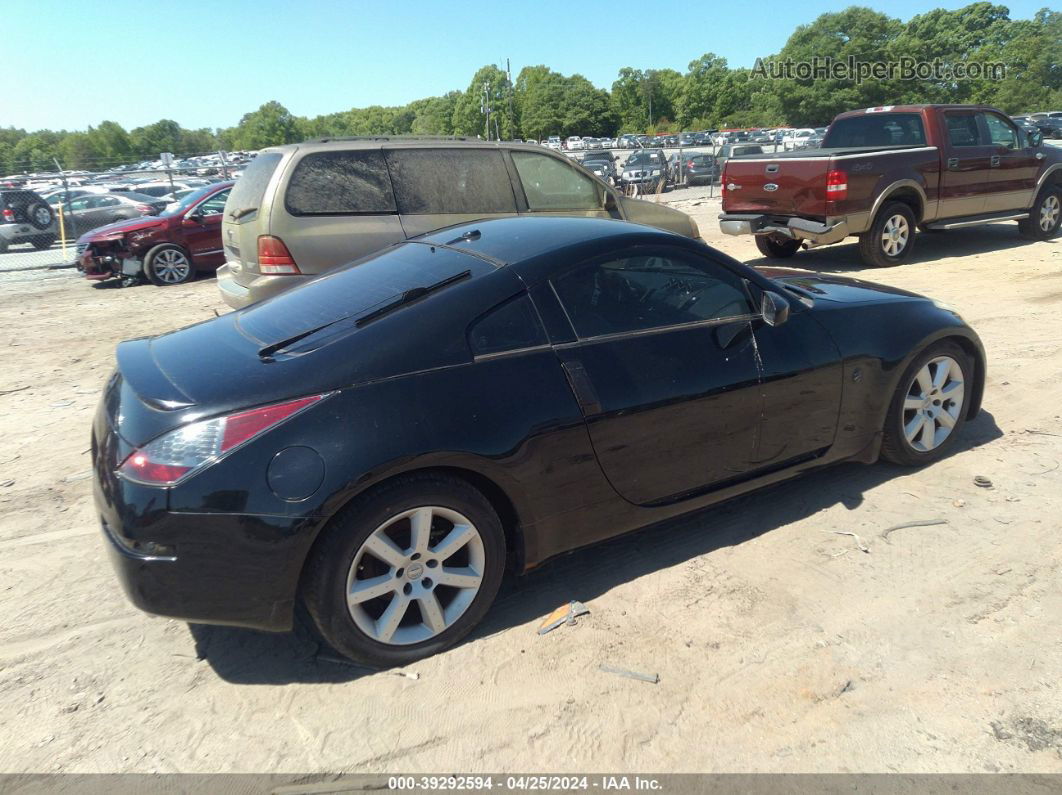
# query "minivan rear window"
(340, 183)
(877, 129)
(250, 187)
(451, 181)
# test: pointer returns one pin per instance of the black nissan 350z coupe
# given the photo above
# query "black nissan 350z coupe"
(384, 442)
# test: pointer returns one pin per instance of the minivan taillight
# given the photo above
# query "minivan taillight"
(274, 258)
(175, 456)
(836, 186)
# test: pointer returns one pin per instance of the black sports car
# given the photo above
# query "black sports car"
(383, 442)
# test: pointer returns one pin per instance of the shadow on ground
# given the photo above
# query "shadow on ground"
(248, 657)
(929, 247)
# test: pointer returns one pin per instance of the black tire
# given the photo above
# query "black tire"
(3, 245)
(40, 214)
(42, 242)
(1033, 227)
(872, 245)
(166, 265)
(324, 583)
(777, 247)
(895, 446)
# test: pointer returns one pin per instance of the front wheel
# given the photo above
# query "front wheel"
(167, 264)
(407, 571)
(42, 242)
(929, 406)
(1045, 217)
(890, 239)
(776, 246)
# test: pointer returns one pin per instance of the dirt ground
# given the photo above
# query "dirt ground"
(780, 644)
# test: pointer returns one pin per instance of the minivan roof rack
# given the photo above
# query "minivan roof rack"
(329, 138)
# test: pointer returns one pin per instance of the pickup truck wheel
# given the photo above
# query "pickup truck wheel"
(1045, 216)
(777, 247)
(890, 239)
(168, 264)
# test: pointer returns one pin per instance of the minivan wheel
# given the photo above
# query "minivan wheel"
(776, 246)
(168, 264)
(890, 239)
(1045, 217)
(406, 571)
(929, 407)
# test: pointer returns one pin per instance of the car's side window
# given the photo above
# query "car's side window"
(1000, 132)
(962, 129)
(79, 204)
(105, 201)
(340, 183)
(214, 205)
(552, 184)
(450, 181)
(512, 326)
(647, 291)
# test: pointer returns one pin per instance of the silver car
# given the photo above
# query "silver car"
(302, 209)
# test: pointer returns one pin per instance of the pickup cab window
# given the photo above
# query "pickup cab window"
(877, 129)
(962, 129)
(1000, 132)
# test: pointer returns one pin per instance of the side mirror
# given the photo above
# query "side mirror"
(774, 308)
(1035, 138)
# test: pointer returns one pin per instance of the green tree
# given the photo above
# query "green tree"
(162, 136)
(270, 125)
(489, 85)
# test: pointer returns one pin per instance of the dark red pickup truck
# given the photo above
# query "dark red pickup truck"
(882, 172)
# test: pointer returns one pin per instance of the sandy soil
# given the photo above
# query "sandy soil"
(780, 646)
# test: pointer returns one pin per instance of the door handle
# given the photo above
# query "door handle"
(581, 385)
(1039, 155)
(953, 162)
(995, 161)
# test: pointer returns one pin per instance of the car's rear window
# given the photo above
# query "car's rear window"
(451, 181)
(340, 183)
(354, 290)
(877, 129)
(250, 187)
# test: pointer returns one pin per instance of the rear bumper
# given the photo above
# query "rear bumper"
(818, 233)
(239, 288)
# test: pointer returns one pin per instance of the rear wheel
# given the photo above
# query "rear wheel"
(41, 242)
(1045, 217)
(40, 215)
(407, 571)
(168, 264)
(776, 246)
(890, 239)
(929, 407)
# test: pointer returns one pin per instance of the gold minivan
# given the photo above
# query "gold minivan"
(301, 209)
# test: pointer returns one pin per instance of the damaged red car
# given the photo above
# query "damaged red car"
(164, 249)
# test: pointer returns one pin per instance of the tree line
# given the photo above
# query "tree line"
(541, 102)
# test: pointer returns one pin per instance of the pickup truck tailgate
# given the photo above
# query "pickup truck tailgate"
(781, 184)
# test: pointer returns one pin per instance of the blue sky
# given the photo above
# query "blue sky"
(204, 64)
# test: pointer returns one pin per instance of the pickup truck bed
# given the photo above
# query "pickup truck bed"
(952, 166)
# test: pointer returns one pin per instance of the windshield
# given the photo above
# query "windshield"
(644, 158)
(187, 201)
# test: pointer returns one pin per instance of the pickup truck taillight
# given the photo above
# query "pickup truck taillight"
(836, 186)
(274, 258)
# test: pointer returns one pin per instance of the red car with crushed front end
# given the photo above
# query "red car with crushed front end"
(164, 249)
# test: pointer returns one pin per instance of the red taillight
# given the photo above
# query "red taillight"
(145, 209)
(836, 186)
(274, 257)
(174, 456)
(689, 164)
(9, 215)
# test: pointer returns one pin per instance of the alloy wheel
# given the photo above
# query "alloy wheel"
(42, 216)
(171, 266)
(894, 235)
(933, 404)
(1049, 212)
(415, 575)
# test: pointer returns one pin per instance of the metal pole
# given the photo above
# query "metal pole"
(66, 203)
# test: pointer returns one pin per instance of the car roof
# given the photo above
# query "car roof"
(535, 246)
